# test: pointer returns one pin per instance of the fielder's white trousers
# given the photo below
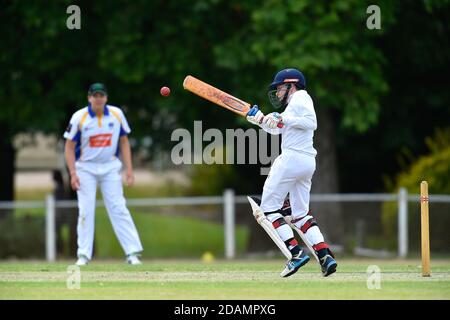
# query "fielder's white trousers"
(108, 176)
(290, 173)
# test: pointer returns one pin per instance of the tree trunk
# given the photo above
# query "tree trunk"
(325, 179)
(7, 169)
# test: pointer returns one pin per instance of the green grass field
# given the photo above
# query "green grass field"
(194, 280)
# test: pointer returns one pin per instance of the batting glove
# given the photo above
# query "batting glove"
(272, 120)
(255, 116)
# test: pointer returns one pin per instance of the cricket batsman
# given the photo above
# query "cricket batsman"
(96, 137)
(292, 170)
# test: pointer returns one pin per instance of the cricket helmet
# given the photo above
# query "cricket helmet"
(289, 75)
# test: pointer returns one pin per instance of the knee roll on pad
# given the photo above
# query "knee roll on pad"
(306, 222)
(311, 222)
(278, 223)
(285, 210)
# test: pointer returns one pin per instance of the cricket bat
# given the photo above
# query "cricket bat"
(219, 97)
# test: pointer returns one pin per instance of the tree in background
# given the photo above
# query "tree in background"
(330, 43)
(45, 69)
(137, 46)
(132, 46)
(417, 52)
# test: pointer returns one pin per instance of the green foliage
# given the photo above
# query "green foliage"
(415, 48)
(435, 169)
(432, 5)
(136, 46)
(211, 179)
(22, 236)
(328, 41)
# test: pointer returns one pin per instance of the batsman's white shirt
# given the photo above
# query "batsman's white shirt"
(97, 163)
(292, 171)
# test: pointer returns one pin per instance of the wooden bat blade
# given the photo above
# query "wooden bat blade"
(219, 97)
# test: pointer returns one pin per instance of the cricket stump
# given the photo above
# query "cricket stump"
(425, 229)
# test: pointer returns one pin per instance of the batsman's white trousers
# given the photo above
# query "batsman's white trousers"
(291, 173)
(108, 176)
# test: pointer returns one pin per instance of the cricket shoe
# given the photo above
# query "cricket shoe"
(133, 260)
(328, 265)
(82, 261)
(294, 264)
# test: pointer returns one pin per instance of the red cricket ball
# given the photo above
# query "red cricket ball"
(165, 91)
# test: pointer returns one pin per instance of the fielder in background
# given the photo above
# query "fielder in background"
(96, 136)
(292, 170)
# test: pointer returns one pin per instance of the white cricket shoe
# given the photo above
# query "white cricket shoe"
(82, 261)
(133, 260)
